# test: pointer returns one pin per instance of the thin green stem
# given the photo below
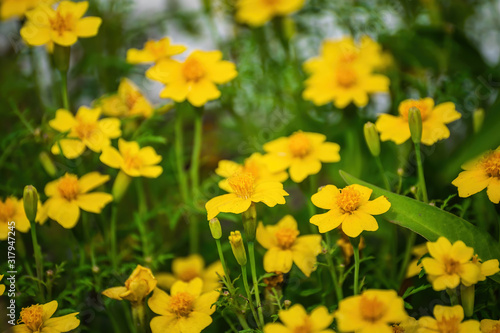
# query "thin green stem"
(382, 173)
(251, 252)
(38, 260)
(452, 293)
(249, 294)
(227, 278)
(230, 323)
(179, 158)
(406, 259)
(421, 179)
(141, 220)
(338, 290)
(194, 174)
(355, 247)
(112, 235)
(64, 89)
(139, 317)
(242, 320)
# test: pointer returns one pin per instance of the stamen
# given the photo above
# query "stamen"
(299, 145)
(348, 200)
(68, 187)
(242, 184)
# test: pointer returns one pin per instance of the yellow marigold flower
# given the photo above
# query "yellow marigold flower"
(18, 8)
(490, 326)
(12, 209)
(37, 318)
(414, 268)
(480, 174)
(2, 286)
(487, 268)
(255, 164)
(450, 264)
(84, 130)
(139, 285)
(186, 309)
(296, 319)
(284, 246)
(448, 319)
(244, 191)
(188, 268)
(409, 325)
(68, 194)
(128, 102)
(434, 120)
(132, 159)
(302, 153)
(350, 207)
(258, 12)
(195, 78)
(154, 51)
(62, 26)
(372, 311)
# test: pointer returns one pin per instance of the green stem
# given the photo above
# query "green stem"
(313, 188)
(64, 89)
(452, 293)
(409, 246)
(333, 272)
(421, 179)
(179, 157)
(242, 320)
(230, 323)
(249, 294)
(141, 220)
(227, 278)
(194, 173)
(139, 317)
(355, 247)
(251, 252)
(112, 235)
(382, 173)
(38, 260)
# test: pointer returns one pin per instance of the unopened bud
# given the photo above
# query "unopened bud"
(30, 201)
(415, 122)
(401, 172)
(467, 295)
(215, 228)
(238, 247)
(372, 139)
(120, 185)
(287, 303)
(249, 218)
(47, 164)
(478, 119)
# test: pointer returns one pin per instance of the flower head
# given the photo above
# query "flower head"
(302, 153)
(194, 79)
(37, 318)
(434, 120)
(18, 8)
(85, 130)
(284, 246)
(296, 320)
(448, 319)
(62, 26)
(189, 268)
(128, 102)
(154, 51)
(139, 285)
(490, 326)
(186, 309)
(132, 159)
(372, 311)
(350, 207)
(12, 209)
(258, 12)
(68, 194)
(450, 265)
(479, 174)
(244, 191)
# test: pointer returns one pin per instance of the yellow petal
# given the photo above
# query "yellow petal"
(202, 92)
(460, 252)
(222, 72)
(376, 207)
(276, 328)
(115, 292)
(444, 312)
(393, 128)
(62, 324)
(165, 280)
(445, 281)
(329, 220)
(352, 225)
(91, 180)
(35, 35)
(470, 273)
(264, 237)
(227, 203)
(494, 190)
(159, 303)
(110, 127)
(49, 309)
(71, 148)
(294, 316)
(470, 326)
(22, 328)
(195, 323)
(165, 323)
(88, 26)
(433, 267)
(128, 147)
(304, 258)
(445, 113)
(149, 156)
(194, 287)
(326, 197)
(205, 303)
(320, 318)
(227, 168)
(490, 267)
(75, 9)
(94, 202)
(111, 157)
(328, 152)
(278, 260)
(151, 171)
(192, 264)
(63, 122)
(301, 168)
(64, 38)
(270, 193)
(471, 182)
(439, 249)
(64, 212)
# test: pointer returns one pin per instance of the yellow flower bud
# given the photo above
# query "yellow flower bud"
(139, 284)
(249, 218)
(120, 185)
(415, 122)
(238, 247)
(478, 119)
(47, 164)
(30, 201)
(215, 228)
(372, 139)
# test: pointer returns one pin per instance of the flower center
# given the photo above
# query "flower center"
(188, 274)
(397, 329)
(451, 266)
(346, 77)
(306, 327)
(448, 325)
(271, 3)
(61, 23)
(182, 304)
(7, 210)
(371, 309)
(253, 168)
(32, 317)
(491, 164)
(348, 56)
(83, 129)
(193, 70)
(131, 99)
(348, 200)
(68, 187)
(132, 161)
(495, 329)
(299, 145)
(286, 237)
(420, 105)
(242, 184)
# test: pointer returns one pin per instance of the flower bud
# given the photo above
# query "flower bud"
(30, 201)
(47, 164)
(467, 296)
(372, 139)
(478, 119)
(120, 185)
(238, 247)
(215, 228)
(250, 222)
(287, 303)
(415, 122)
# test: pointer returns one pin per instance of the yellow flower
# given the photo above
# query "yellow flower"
(195, 78)
(302, 153)
(2, 286)
(297, 320)
(255, 164)
(448, 320)
(128, 102)
(18, 8)
(434, 120)
(12, 209)
(85, 130)
(258, 12)
(480, 174)
(409, 325)
(62, 26)
(487, 268)
(350, 207)
(188, 268)
(37, 318)
(372, 311)
(245, 190)
(139, 285)
(450, 264)
(68, 194)
(284, 246)
(132, 159)
(413, 267)
(186, 309)
(154, 51)
(490, 326)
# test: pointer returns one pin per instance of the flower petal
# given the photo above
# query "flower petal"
(62, 324)
(278, 260)
(88, 26)
(158, 303)
(471, 182)
(91, 180)
(205, 303)
(326, 197)
(64, 212)
(94, 202)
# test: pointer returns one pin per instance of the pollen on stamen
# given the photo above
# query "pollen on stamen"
(371, 309)
(68, 187)
(32, 317)
(349, 199)
(181, 304)
(299, 145)
(242, 184)
(449, 325)
(346, 77)
(193, 70)
(286, 237)
(491, 164)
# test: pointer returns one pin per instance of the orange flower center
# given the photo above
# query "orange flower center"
(348, 200)
(193, 70)
(7, 210)
(424, 110)
(182, 304)
(397, 329)
(299, 145)
(83, 129)
(132, 161)
(68, 187)
(253, 168)
(346, 77)
(32, 317)
(242, 184)
(286, 237)
(348, 56)
(131, 99)
(371, 309)
(495, 329)
(188, 274)
(451, 266)
(448, 325)
(61, 24)
(158, 50)
(271, 3)
(491, 164)
(306, 327)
